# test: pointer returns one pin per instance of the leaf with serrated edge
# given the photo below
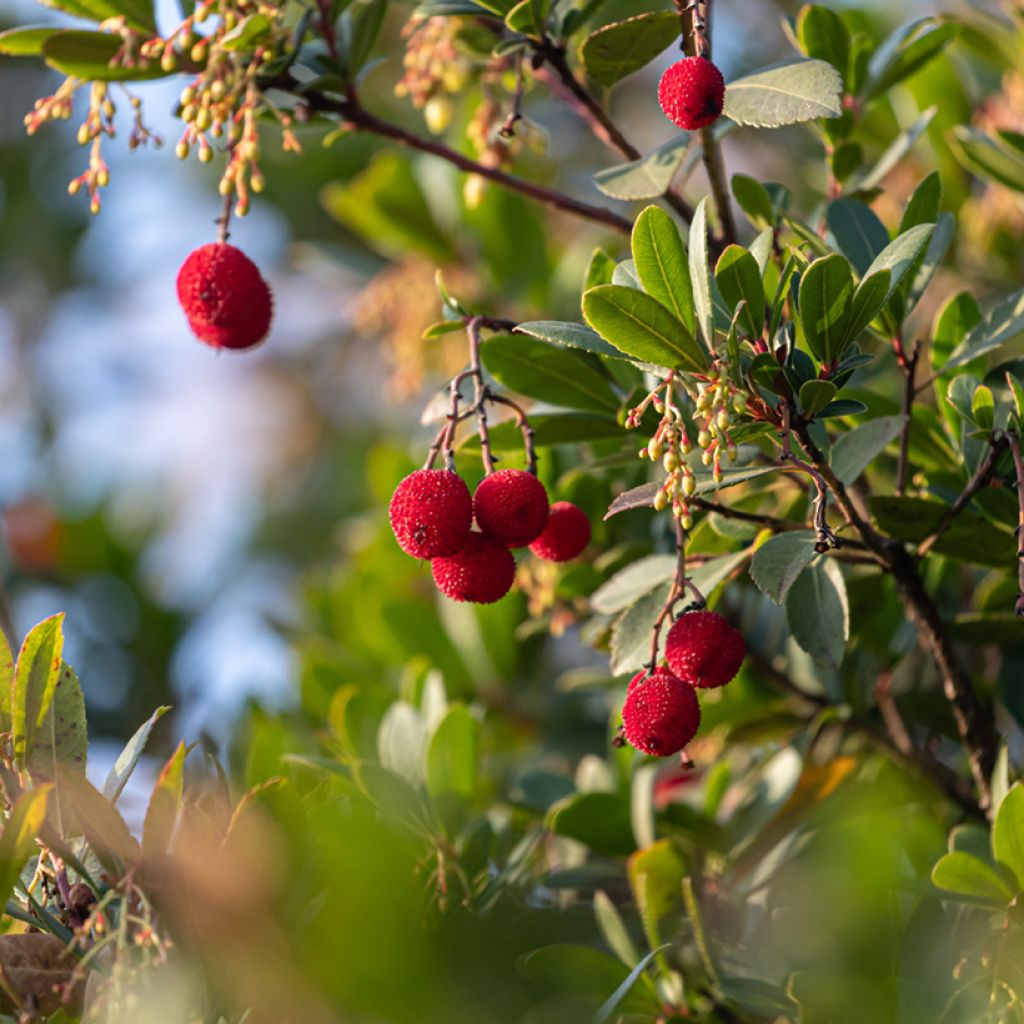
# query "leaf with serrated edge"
(700, 273)
(786, 93)
(646, 178)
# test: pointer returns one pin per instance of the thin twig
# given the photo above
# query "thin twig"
(826, 537)
(360, 119)
(908, 364)
(1018, 465)
(675, 594)
(224, 220)
(515, 113)
(523, 423)
(977, 482)
(480, 394)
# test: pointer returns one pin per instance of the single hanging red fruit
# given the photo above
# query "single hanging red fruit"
(565, 536)
(482, 572)
(224, 296)
(702, 648)
(661, 714)
(512, 507)
(692, 93)
(431, 513)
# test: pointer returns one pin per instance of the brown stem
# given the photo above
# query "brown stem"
(975, 722)
(359, 118)
(515, 113)
(676, 591)
(598, 118)
(974, 485)
(224, 220)
(480, 394)
(1018, 465)
(529, 434)
(909, 366)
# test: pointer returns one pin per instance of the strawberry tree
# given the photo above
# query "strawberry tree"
(765, 458)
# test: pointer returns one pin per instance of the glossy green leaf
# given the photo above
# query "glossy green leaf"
(816, 396)
(26, 42)
(858, 232)
(605, 1014)
(18, 838)
(617, 50)
(896, 151)
(89, 55)
(824, 35)
(35, 682)
(128, 759)
(988, 157)
(164, 803)
(646, 178)
(453, 755)
(598, 820)
(613, 930)
(818, 613)
(700, 274)
(954, 321)
(739, 280)
(780, 560)
(900, 254)
(547, 373)
(868, 301)
(753, 200)
(826, 299)
(786, 93)
(661, 264)
(968, 876)
(906, 51)
(854, 451)
(631, 634)
(6, 683)
(529, 17)
(1001, 325)
(641, 327)
(1008, 833)
(574, 336)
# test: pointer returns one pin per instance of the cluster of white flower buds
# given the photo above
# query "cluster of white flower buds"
(716, 400)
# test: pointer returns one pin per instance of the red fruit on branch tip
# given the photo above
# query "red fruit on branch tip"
(512, 507)
(225, 299)
(565, 536)
(702, 648)
(692, 93)
(661, 714)
(482, 572)
(431, 512)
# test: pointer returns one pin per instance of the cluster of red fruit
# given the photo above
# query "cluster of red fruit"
(224, 296)
(692, 93)
(661, 714)
(432, 515)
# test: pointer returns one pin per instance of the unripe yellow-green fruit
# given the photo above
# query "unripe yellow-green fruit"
(660, 500)
(473, 191)
(689, 484)
(723, 420)
(703, 439)
(670, 462)
(739, 401)
(687, 521)
(456, 74)
(655, 449)
(438, 114)
(707, 456)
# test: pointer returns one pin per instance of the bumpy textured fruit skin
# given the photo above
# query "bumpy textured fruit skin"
(661, 714)
(691, 93)
(703, 649)
(224, 296)
(482, 572)
(512, 507)
(431, 513)
(565, 536)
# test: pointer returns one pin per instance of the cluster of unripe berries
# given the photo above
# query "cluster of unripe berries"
(692, 93)
(224, 297)
(661, 714)
(432, 516)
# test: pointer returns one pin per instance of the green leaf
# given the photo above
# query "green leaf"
(1003, 324)
(26, 42)
(661, 264)
(529, 17)
(550, 429)
(700, 274)
(900, 254)
(599, 271)
(779, 561)
(641, 327)
(138, 14)
(739, 280)
(853, 452)
(928, 264)
(613, 930)
(643, 496)
(598, 820)
(631, 634)
(88, 55)
(631, 583)
(1008, 833)
(453, 756)
(824, 35)
(858, 232)
(6, 683)
(104, 829)
(587, 972)
(970, 538)
(754, 200)
(868, 301)
(818, 613)
(988, 157)
(547, 373)
(247, 33)
(786, 93)
(646, 178)
(127, 760)
(568, 335)
(35, 682)
(617, 50)
(18, 839)
(358, 29)
(907, 50)
(826, 298)
(816, 396)
(616, 999)
(955, 320)
(895, 152)
(386, 207)
(983, 407)
(923, 205)
(164, 803)
(967, 875)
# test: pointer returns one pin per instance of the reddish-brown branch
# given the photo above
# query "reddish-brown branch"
(1018, 464)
